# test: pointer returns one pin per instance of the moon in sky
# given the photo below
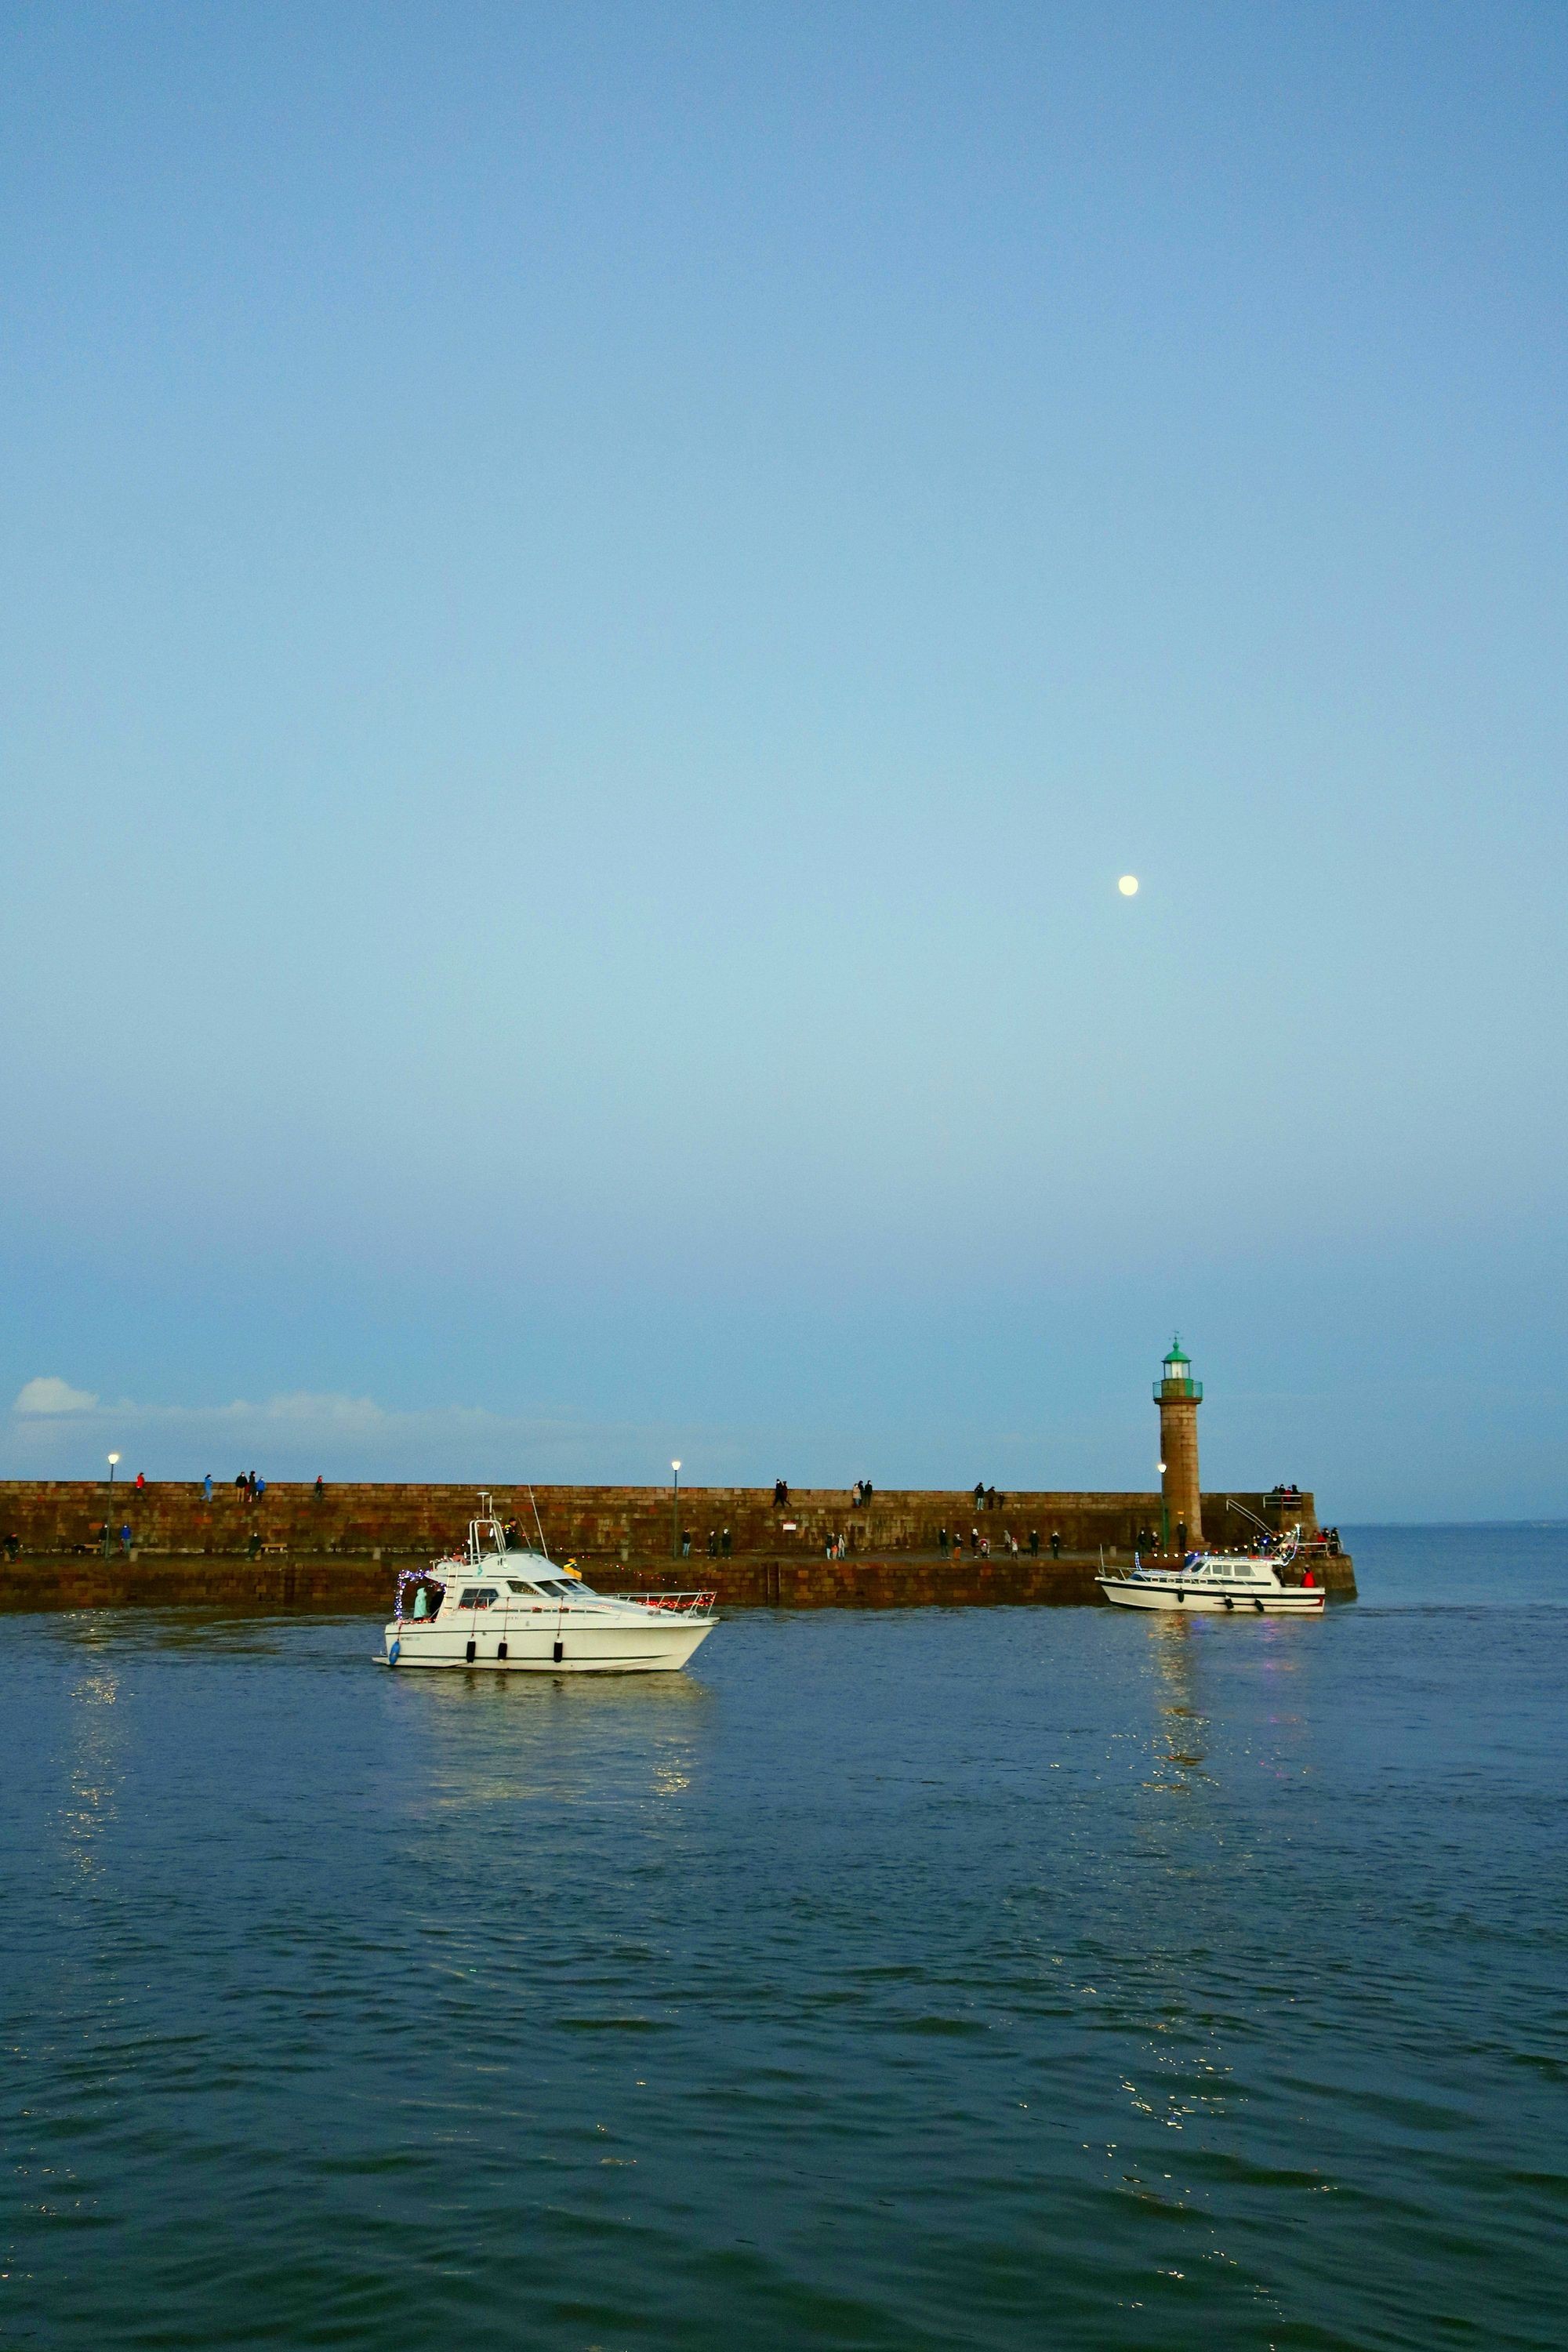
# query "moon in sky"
(1128, 886)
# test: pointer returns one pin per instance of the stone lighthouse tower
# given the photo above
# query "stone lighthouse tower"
(1178, 1396)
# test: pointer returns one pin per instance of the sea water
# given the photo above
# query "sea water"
(986, 1978)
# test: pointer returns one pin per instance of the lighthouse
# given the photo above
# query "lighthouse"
(1178, 1396)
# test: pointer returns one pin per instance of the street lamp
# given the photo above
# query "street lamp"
(675, 1514)
(112, 1460)
(1165, 1514)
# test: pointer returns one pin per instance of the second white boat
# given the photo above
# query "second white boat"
(1251, 1583)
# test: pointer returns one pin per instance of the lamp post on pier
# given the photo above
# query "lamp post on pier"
(675, 1513)
(112, 1460)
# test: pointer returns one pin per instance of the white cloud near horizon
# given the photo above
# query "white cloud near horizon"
(50, 1394)
(56, 1431)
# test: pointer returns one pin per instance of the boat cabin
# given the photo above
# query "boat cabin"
(492, 1570)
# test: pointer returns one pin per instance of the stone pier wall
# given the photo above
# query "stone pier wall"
(597, 1523)
(341, 1550)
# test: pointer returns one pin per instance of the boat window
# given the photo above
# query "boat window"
(516, 1584)
(479, 1596)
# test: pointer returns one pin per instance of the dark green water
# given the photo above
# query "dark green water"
(995, 1977)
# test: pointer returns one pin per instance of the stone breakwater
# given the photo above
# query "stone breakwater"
(341, 1550)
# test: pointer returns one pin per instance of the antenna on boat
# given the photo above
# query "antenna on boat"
(544, 1547)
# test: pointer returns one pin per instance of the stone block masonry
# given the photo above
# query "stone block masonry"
(341, 1550)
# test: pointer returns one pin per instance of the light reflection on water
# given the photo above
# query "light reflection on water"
(95, 1739)
(982, 1978)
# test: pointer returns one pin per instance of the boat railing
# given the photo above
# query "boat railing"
(680, 1604)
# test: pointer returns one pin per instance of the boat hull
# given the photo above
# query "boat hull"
(1291, 1601)
(615, 1647)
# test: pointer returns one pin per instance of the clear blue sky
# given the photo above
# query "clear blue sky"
(596, 599)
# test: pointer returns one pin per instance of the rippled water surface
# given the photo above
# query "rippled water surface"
(991, 1977)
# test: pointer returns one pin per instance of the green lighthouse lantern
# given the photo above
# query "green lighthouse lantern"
(1178, 1380)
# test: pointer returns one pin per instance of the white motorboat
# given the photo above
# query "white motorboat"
(1252, 1582)
(496, 1605)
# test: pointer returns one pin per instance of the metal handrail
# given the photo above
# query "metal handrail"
(1242, 1512)
(682, 1603)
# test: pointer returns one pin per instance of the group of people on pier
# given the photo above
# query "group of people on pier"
(980, 1546)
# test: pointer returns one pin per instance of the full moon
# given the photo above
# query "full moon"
(1128, 886)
